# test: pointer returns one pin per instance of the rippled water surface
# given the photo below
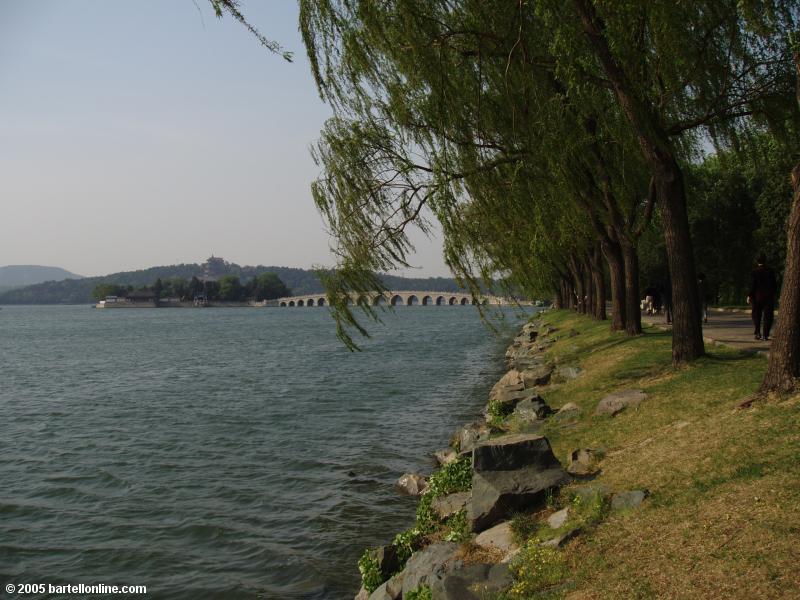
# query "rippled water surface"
(221, 453)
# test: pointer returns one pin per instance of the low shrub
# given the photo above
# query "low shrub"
(371, 577)
(535, 569)
(423, 592)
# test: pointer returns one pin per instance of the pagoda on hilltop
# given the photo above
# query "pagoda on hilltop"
(214, 268)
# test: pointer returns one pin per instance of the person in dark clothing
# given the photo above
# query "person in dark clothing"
(763, 289)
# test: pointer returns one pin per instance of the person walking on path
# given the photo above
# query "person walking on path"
(763, 288)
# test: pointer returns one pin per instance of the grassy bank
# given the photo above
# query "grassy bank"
(723, 519)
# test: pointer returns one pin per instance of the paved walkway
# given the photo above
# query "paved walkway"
(733, 329)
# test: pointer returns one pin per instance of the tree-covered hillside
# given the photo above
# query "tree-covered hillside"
(299, 281)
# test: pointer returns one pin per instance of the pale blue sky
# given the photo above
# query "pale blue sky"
(149, 132)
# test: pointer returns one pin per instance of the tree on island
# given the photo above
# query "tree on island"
(268, 286)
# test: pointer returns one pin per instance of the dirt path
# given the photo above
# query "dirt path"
(724, 327)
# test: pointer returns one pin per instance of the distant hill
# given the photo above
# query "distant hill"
(14, 276)
(299, 281)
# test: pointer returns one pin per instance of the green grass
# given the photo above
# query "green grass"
(722, 519)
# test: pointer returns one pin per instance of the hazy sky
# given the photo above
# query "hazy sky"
(145, 133)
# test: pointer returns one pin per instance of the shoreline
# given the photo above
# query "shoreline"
(590, 446)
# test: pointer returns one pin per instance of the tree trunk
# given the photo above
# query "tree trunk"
(783, 368)
(599, 280)
(657, 150)
(633, 309)
(616, 271)
(580, 292)
(587, 286)
(687, 332)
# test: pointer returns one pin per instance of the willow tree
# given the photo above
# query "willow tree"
(783, 368)
(448, 79)
(451, 91)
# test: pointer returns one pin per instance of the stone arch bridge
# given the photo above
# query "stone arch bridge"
(397, 298)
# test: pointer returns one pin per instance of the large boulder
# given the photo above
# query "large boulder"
(388, 561)
(473, 582)
(510, 474)
(533, 408)
(428, 565)
(615, 403)
(389, 590)
(506, 402)
(537, 376)
(447, 506)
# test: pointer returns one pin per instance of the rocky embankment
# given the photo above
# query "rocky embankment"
(501, 500)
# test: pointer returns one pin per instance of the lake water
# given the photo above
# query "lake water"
(221, 453)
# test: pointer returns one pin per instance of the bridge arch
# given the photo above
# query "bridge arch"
(291, 302)
(463, 302)
(452, 300)
(397, 300)
(300, 303)
(283, 303)
(427, 301)
(310, 302)
(440, 300)
(412, 300)
(379, 300)
(362, 301)
(321, 302)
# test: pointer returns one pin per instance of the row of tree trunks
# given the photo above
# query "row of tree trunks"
(657, 150)
(584, 288)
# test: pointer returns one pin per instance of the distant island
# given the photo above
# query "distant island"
(296, 281)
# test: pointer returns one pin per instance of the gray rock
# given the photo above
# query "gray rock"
(561, 540)
(537, 376)
(389, 590)
(568, 372)
(473, 582)
(412, 484)
(582, 462)
(447, 506)
(589, 492)
(362, 594)
(615, 403)
(388, 561)
(428, 565)
(469, 435)
(513, 451)
(568, 412)
(532, 409)
(499, 537)
(628, 499)
(506, 402)
(511, 473)
(445, 456)
(558, 519)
